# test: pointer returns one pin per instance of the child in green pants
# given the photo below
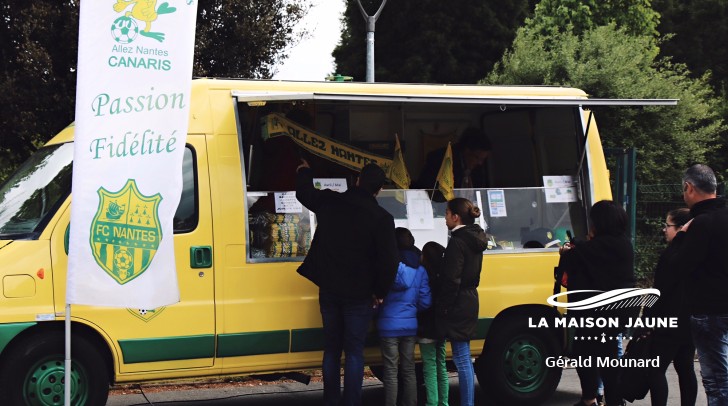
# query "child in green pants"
(432, 345)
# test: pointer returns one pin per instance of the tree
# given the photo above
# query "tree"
(635, 17)
(430, 40)
(38, 53)
(244, 38)
(607, 62)
(699, 33)
(38, 43)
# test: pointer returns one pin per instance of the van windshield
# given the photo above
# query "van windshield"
(34, 192)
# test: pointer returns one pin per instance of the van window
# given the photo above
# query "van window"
(513, 218)
(279, 228)
(531, 193)
(32, 195)
(186, 216)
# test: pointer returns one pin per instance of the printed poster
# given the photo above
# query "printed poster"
(559, 189)
(497, 203)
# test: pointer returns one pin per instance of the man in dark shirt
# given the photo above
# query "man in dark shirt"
(702, 259)
(353, 259)
(469, 156)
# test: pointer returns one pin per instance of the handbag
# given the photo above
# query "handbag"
(633, 381)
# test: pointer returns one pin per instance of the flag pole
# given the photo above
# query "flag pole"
(434, 187)
(67, 369)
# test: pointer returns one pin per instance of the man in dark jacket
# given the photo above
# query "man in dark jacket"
(353, 259)
(702, 259)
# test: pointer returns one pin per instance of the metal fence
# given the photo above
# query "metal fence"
(653, 203)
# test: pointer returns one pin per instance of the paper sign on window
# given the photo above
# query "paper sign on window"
(286, 202)
(497, 203)
(559, 189)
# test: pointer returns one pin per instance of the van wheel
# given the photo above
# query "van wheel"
(512, 367)
(33, 373)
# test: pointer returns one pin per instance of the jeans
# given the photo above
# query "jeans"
(710, 336)
(464, 363)
(434, 369)
(399, 351)
(346, 322)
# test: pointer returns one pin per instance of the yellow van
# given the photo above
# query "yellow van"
(239, 237)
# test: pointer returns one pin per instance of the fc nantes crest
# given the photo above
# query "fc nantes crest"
(125, 232)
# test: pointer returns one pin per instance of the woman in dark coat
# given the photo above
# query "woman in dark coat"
(457, 299)
(672, 344)
(604, 262)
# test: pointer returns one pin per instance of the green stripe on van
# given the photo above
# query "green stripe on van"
(241, 344)
(9, 331)
(482, 327)
(167, 348)
(307, 339)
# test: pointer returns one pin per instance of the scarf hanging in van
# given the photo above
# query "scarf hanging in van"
(275, 125)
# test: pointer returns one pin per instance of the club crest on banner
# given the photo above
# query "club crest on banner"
(146, 315)
(125, 232)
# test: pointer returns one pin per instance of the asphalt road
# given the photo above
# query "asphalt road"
(279, 394)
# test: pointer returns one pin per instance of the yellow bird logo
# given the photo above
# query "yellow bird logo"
(147, 11)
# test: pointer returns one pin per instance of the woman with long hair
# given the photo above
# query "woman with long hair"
(457, 299)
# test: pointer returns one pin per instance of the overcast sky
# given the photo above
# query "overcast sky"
(311, 59)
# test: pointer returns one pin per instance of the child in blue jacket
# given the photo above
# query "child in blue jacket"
(397, 321)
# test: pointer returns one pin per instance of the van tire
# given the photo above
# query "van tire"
(512, 367)
(32, 373)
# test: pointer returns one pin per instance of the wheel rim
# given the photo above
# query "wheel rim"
(524, 361)
(44, 384)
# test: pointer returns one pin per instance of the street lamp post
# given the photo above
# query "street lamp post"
(371, 22)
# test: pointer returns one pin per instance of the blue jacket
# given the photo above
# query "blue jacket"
(409, 294)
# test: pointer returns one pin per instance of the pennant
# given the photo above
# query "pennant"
(445, 177)
(398, 170)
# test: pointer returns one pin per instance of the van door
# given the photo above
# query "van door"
(179, 335)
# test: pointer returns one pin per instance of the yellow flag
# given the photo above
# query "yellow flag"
(398, 170)
(445, 177)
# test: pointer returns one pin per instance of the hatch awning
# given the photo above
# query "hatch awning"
(495, 100)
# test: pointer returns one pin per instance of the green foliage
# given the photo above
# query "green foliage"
(610, 63)
(38, 42)
(429, 41)
(699, 31)
(243, 38)
(636, 17)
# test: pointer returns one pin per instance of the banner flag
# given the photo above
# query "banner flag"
(132, 112)
(398, 170)
(445, 177)
(275, 125)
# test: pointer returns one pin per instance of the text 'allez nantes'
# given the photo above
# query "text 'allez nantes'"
(139, 57)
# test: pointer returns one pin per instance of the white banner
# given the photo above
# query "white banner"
(132, 111)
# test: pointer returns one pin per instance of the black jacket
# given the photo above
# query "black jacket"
(603, 263)
(701, 258)
(672, 301)
(457, 297)
(354, 252)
